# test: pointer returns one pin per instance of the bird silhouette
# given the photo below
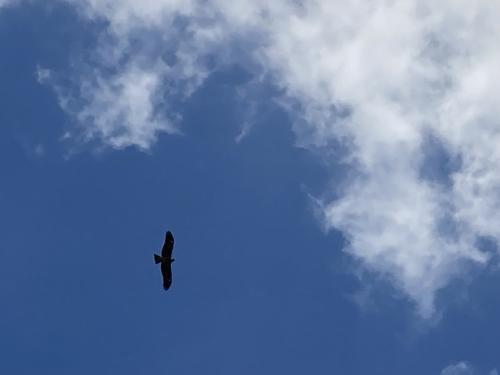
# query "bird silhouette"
(166, 260)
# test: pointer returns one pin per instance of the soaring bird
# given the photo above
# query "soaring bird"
(166, 260)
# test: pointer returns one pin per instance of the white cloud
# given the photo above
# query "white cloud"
(4, 3)
(376, 76)
(122, 109)
(461, 368)
(402, 70)
(42, 74)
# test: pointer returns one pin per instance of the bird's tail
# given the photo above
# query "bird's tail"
(157, 259)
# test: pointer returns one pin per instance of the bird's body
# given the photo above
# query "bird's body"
(166, 260)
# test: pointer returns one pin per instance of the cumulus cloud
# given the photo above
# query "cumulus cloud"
(377, 78)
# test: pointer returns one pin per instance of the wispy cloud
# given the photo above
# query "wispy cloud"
(42, 74)
(4, 3)
(377, 77)
(464, 368)
(460, 368)
(123, 109)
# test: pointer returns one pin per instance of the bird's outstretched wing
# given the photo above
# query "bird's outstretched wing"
(168, 246)
(166, 271)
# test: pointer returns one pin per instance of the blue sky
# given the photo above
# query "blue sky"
(319, 228)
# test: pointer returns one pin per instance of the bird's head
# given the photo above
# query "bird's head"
(172, 260)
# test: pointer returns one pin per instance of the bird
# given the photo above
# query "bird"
(166, 260)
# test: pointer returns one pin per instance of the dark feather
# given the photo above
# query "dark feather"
(166, 271)
(168, 246)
